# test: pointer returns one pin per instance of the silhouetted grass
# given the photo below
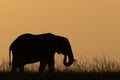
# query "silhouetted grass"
(61, 76)
(99, 68)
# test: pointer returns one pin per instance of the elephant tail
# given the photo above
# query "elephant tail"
(10, 56)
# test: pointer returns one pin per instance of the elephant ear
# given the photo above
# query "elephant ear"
(59, 44)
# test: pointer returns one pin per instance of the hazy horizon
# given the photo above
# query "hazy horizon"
(92, 27)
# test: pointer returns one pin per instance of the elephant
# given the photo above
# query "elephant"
(30, 48)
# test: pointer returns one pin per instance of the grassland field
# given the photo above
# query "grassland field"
(101, 68)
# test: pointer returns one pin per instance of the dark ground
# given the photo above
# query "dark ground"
(61, 76)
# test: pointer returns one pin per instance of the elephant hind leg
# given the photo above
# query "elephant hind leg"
(14, 66)
(21, 68)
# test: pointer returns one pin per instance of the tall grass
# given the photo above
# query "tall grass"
(4, 65)
(96, 64)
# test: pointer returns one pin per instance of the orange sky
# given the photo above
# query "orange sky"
(92, 26)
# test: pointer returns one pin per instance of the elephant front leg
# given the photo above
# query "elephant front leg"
(51, 65)
(42, 66)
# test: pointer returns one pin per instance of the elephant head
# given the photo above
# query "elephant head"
(64, 48)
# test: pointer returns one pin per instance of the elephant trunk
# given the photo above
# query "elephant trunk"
(70, 60)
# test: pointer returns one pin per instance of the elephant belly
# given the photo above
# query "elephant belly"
(28, 55)
(27, 60)
(25, 57)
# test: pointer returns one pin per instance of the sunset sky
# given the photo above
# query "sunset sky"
(92, 26)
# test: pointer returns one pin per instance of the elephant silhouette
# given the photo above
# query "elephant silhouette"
(30, 48)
